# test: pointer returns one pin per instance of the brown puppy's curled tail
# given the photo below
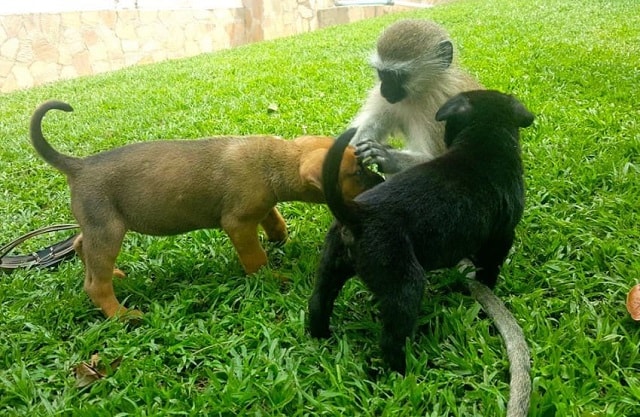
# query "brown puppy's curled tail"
(344, 212)
(64, 163)
(515, 343)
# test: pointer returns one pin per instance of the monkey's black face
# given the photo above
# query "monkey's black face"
(392, 85)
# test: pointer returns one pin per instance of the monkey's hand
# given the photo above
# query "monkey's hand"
(370, 152)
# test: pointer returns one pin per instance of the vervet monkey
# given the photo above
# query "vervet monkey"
(417, 75)
(414, 62)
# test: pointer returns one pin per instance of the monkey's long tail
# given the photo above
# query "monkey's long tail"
(517, 349)
(64, 163)
(343, 211)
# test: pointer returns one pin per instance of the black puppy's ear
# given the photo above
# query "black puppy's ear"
(524, 117)
(445, 53)
(454, 107)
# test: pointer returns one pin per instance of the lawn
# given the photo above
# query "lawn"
(216, 342)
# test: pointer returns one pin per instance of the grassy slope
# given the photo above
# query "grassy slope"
(217, 341)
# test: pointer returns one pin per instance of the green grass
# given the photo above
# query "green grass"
(216, 342)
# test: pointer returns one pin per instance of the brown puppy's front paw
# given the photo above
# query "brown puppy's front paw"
(283, 279)
(131, 317)
(275, 226)
(279, 239)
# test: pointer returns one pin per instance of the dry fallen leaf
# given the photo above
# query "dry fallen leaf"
(633, 302)
(88, 373)
(272, 108)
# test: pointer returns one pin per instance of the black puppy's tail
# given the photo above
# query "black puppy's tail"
(345, 212)
(64, 163)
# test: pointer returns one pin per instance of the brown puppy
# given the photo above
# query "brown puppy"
(171, 187)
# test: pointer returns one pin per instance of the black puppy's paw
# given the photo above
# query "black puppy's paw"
(318, 324)
(320, 333)
(319, 327)
(398, 364)
(487, 276)
(395, 357)
(370, 152)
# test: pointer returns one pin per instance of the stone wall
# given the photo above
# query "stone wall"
(45, 47)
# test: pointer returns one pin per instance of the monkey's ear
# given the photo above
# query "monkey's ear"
(445, 52)
(524, 118)
(455, 106)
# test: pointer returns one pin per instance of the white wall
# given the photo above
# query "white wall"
(8, 7)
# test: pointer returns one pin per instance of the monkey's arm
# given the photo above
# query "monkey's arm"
(375, 121)
(389, 160)
(517, 349)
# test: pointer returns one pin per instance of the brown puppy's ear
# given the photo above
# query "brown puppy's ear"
(455, 106)
(311, 168)
(523, 117)
(349, 181)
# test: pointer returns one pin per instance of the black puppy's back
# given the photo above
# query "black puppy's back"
(450, 205)
(463, 204)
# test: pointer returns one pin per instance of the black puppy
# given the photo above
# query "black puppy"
(463, 204)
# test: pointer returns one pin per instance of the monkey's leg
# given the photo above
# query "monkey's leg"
(274, 226)
(334, 270)
(490, 258)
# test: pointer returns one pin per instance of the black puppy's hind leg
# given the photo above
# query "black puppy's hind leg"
(400, 299)
(334, 270)
(490, 258)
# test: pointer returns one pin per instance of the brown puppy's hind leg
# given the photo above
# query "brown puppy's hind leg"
(275, 227)
(244, 237)
(77, 246)
(98, 251)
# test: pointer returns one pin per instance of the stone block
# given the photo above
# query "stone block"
(108, 18)
(44, 72)
(51, 27)
(68, 72)
(131, 59)
(91, 18)
(44, 51)
(22, 76)
(12, 24)
(25, 52)
(191, 48)
(82, 63)
(100, 66)
(9, 49)
(130, 46)
(72, 41)
(65, 58)
(5, 66)
(9, 84)
(98, 52)
(150, 45)
(70, 20)
(89, 36)
(30, 25)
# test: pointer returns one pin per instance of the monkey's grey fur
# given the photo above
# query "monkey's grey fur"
(414, 61)
(515, 343)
